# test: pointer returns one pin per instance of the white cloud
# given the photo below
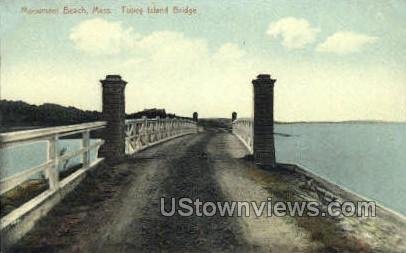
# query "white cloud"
(170, 70)
(182, 75)
(229, 51)
(345, 42)
(98, 36)
(296, 33)
(171, 46)
(175, 72)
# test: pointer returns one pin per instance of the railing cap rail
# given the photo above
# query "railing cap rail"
(127, 121)
(243, 119)
(48, 131)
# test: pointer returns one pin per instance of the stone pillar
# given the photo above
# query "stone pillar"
(114, 113)
(195, 117)
(233, 116)
(264, 147)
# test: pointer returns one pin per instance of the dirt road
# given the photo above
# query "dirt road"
(118, 209)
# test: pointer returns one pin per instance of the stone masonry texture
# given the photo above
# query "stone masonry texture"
(114, 113)
(264, 147)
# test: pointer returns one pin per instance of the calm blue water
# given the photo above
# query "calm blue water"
(18, 158)
(367, 158)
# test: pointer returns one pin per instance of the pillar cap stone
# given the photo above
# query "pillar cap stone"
(264, 76)
(264, 79)
(113, 79)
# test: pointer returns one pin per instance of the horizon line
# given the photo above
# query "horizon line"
(276, 121)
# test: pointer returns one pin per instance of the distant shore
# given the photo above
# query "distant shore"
(319, 122)
(341, 122)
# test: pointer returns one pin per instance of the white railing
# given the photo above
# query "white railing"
(143, 133)
(50, 167)
(243, 129)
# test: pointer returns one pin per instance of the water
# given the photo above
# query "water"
(19, 158)
(367, 158)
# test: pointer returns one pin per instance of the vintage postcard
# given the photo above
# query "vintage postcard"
(203, 126)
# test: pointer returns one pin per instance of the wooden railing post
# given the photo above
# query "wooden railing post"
(52, 170)
(114, 113)
(165, 127)
(177, 124)
(86, 144)
(146, 130)
(158, 127)
(173, 127)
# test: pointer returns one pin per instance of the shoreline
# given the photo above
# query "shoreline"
(384, 232)
(299, 168)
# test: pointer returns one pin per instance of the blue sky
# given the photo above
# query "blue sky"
(334, 60)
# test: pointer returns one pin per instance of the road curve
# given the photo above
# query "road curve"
(118, 209)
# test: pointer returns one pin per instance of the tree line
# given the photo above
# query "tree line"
(19, 113)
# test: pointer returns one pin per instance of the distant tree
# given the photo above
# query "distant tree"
(18, 113)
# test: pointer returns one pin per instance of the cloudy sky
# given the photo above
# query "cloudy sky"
(333, 60)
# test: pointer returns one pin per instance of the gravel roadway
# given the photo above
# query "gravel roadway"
(117, 209)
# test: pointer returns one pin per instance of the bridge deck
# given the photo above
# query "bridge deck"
(118, 209)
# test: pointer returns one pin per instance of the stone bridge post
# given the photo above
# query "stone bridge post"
(114, 113)
(264, 147)
(233, 116)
